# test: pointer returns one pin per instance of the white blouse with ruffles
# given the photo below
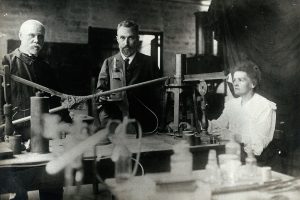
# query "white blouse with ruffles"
(254, 122)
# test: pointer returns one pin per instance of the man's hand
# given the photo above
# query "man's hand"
(103, 98)
(69, 102)
(223, 133)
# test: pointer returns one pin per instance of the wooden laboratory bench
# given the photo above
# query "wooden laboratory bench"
(28, 169)
(166, 186)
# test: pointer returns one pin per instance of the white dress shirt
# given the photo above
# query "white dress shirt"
(254, 121)
(130, 57)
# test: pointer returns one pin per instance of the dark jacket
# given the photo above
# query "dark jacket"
(142, 68)
(34, 69)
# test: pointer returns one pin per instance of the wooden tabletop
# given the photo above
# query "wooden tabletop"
(146, 188)
(153, 143)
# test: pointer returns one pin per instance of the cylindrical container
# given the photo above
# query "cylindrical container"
(229, 171)
(189, 137)
(205, 139)
(123, 164)
(251, 166)
(266, 174)
(212, 168)
(232, 147)
(15, 143)
(197, 139)
(38, 106)
(223, 158)
(182, 159)
(180, 65)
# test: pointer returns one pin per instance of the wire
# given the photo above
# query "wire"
(153, 113)
(137, 160)
(141, 166)
(97, 161)
(139, 149)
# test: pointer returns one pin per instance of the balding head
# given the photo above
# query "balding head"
(31, 34)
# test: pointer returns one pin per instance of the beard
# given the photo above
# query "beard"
(128, 51)
(35, 49)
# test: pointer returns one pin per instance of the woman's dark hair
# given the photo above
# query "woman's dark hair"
(252, 71)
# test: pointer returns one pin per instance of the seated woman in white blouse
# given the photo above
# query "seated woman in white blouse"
(251, 117)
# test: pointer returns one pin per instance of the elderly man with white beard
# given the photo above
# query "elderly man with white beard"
(26, 63)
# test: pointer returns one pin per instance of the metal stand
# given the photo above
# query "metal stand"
(195, 84)
(8, 106)
(177, 88)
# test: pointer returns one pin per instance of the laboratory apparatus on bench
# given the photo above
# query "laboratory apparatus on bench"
(189, 96)
(121, 154)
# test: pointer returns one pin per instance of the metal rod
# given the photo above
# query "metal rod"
(25, 119)
(66, 96)
(124, 88)
(80, 97)
(34, 85)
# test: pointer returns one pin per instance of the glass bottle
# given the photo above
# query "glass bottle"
(123, 164)
(182, 159)
(251, 165)
(232, 147)
(121, 155)
(213, 175)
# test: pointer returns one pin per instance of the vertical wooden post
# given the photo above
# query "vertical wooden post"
(9, 129)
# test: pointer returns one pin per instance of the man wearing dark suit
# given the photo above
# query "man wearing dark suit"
(126, 68)
(26, 63)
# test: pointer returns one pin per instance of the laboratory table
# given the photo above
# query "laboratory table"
(28, 169)
(193, 187)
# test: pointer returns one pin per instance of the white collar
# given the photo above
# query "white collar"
(130, 57)
(249, 101)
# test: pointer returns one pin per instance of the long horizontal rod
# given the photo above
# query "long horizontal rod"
(34, 85)
(25, 119)
(81, 98)
(124, 88)
(71, 98)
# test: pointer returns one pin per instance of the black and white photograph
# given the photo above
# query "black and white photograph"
(149, 100)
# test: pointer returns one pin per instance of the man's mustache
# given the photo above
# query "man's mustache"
(37, 45)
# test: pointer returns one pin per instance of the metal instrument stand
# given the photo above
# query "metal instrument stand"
(7, 109)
